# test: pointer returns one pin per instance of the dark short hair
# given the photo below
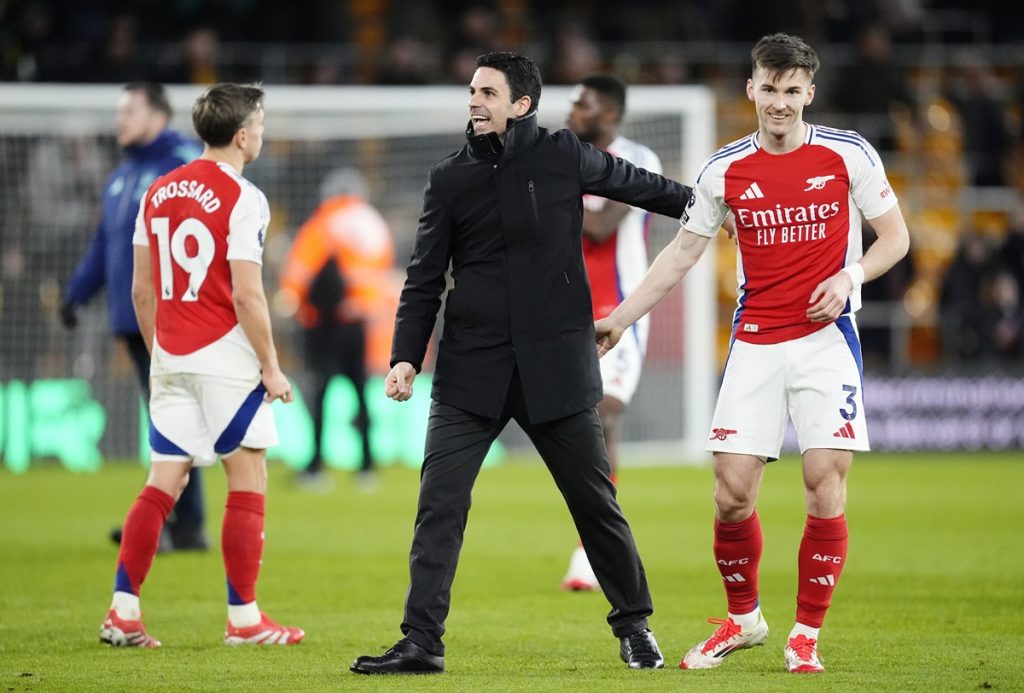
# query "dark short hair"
(780, 53)
(610, 88)
(156, 95)
(521, 72)
(223, 109)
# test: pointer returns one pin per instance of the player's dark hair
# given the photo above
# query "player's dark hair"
(780, 53)
(521, 72)
(610, 89)
(223, 109)
(156, 95)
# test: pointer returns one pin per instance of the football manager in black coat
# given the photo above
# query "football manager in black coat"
(518, 343)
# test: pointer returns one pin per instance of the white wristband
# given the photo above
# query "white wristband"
(856, 272)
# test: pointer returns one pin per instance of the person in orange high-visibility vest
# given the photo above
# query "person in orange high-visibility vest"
(337, 276)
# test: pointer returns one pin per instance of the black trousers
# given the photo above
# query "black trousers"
(189, 513)
(573, 450)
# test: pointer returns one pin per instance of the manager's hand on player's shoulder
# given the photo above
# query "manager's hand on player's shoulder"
(277, 385)
(398, 383)
(608, 333)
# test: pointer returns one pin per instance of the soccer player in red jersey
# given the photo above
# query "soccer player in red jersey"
(198, 295)
(797, 192)
(615, 253)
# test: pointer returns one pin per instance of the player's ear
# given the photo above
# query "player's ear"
(241, 136)
(750, 89)
(810, 96)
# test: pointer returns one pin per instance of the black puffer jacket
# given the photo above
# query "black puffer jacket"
(508, 219)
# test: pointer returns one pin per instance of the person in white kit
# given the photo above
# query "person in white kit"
(615, 253)
(797, 192)
(198, 295)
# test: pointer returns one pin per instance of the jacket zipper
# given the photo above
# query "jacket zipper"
(533, 201)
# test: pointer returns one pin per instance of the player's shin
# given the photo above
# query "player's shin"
(139, 542)
(821, 558)
(737, 548)
(242, 547)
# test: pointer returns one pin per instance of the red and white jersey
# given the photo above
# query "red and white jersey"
(194, 220)
(797, 222)
(616, 265)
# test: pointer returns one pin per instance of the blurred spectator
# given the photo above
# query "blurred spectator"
(200, 50)
(24, 32)
(476, 33)
(336, 275)
(116, 58)
(1005, 317)
(963, 324)
(1011, 252)
(977, 95)
(406, 63)
(874, 89)
(574, 55)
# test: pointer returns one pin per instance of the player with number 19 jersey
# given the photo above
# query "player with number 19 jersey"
(199, 217)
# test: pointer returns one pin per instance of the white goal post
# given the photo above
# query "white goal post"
(393, 134)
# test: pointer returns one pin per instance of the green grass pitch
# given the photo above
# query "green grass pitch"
(932, 598)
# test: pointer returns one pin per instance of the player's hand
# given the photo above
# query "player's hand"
(829, 298)
(608, 334)
(729, 226)
(67, 315)
(277, 386)
(398, 383)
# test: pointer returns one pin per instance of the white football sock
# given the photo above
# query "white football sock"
(806, 631)
(126, 605)
(245, 615)
(746, 622)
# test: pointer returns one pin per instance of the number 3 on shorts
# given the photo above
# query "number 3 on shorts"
(173, 245)
(850, 414)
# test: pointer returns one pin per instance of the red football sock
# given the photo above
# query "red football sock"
(738, 548)
(242, 544)
(822, 557)
(140, 538)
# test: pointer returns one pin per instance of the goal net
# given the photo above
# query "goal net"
(57, 148)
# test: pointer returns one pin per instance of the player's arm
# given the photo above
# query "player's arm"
(600, 224)
(829, 298)
(667, 270)
(617, 179)
(254, 317)
(143, 293)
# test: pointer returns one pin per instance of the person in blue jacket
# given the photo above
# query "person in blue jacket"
(151, 149)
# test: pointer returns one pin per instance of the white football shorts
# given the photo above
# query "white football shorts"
(620, 368)
(815, 380)
(202, 417)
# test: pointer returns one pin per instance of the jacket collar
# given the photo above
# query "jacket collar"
(164, 143)
(520, 134)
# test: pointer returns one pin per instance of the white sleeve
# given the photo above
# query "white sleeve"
(248, 225)
(706, 209)
(869, 187)
(650, 161)
(141, 234)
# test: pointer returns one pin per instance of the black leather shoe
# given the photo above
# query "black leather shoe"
(640, 650)
(188, 539)
(406, 657)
